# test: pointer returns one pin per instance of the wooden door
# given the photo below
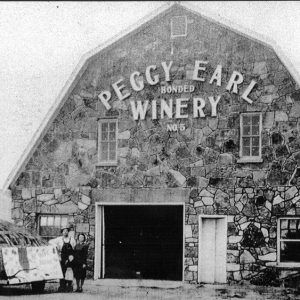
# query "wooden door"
(212, 250)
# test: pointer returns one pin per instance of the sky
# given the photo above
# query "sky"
(42, 42)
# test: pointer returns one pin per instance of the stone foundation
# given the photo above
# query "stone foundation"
(252, 226)
(252, 215)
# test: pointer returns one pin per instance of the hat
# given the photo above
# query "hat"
(65, 227)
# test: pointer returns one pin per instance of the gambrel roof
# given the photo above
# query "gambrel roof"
(140, 25)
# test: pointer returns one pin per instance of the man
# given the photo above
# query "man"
(65, 245)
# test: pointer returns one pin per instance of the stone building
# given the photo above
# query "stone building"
(175, 147)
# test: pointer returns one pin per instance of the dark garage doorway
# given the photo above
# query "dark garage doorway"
(143, 241)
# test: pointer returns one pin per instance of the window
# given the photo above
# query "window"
(51, 225)
(288, 236)
(107, 141)
(178, 26)
(250, 137)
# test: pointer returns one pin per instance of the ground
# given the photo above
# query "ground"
(133, 289)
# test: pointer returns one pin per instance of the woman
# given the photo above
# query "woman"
(65, 245)
(80, 258)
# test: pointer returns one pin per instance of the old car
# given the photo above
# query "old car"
(26, 259)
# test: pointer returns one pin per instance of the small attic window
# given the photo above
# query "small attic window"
(178, 26)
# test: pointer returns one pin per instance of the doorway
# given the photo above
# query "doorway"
(142, 241)
(212, 249)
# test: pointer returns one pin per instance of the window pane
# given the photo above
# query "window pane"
(112, 146)
(104, 127)
(255, 141)
(108, 144)
(246, 151)
(246, 120)
(283, 224)
(51, 231)
(284, 233)
(64, 222)
(246, 130)
(246, 142)
(43, 221)
(289, 251)
(294, 232)
(112, 126)
(255, 151)
(44, 231)
(104, 136)
(112, 155)
(112, 135)
(255, 130)
(255, 120)
(290, 229)
(293, 224)
(104, 147)
(51, 225)
(104, 155)
(50, 221)
(57, 221)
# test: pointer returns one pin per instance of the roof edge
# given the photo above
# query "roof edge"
(83, 63)
(77, 72)
(73, 78)
(248, 33)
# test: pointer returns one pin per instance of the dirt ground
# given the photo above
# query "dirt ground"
(128, 290)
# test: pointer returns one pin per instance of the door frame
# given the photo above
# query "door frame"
(225, 217)
(99, 259)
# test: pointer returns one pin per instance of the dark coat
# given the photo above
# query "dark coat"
(80, 259)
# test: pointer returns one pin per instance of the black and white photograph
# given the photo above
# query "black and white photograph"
(150, 150)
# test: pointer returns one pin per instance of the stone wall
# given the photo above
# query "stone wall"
(252, 215)
(150, 155)
(63, 174)
(29, 203)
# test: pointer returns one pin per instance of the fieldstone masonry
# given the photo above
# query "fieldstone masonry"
(252, 226)
(63, 174)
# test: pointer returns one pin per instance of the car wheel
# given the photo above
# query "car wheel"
(38, 286)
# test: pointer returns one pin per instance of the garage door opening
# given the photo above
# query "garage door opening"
(143, 241)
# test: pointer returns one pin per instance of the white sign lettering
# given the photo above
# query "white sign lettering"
(174, 107)
(175, 127)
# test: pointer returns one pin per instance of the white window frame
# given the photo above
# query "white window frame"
(173, 19)
(279, 239)
(106, 162)
(250, 159)
(47, 216)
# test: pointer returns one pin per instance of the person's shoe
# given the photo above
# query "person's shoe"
(61, 289)
(80, 290)
(69, 289)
